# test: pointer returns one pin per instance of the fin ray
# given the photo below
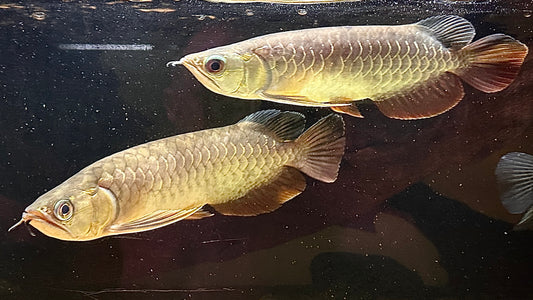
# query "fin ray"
(286, 125)
(514, 173)
(526, 222)
(158, 219)
(290, 99)
(496, 60)
(323, 145)
(452, 31)
(303, 100)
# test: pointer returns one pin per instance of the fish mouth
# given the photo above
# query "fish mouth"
(39, 216)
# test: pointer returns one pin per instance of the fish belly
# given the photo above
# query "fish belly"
(206, 167)
(339, 64)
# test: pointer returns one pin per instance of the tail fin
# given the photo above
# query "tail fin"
(496, 60)
(323, 146)
(515, 179)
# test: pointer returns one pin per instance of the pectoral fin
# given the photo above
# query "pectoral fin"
(428, 99)
(290, 99)
(158, 219)
(306, 101)
(266, 198)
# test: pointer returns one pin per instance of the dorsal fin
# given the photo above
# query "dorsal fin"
(286, 125)
(452, 31)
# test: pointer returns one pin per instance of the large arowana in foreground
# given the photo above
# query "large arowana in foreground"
(244, 169)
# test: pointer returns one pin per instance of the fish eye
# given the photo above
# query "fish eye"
(215, 64)
(63, 210)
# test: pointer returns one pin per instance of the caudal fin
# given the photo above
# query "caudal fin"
(496, 60)
(323, 146)
(515, 179)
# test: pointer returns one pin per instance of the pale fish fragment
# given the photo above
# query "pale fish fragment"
(514, 173)
(393, 237)
(245, 169)
(411, 71)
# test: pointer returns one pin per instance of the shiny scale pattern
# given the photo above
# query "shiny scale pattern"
(182, 171)
(326, 62)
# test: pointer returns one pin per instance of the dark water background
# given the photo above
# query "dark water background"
(414, 215)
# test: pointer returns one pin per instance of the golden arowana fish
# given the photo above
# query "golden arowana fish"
(244, 169)
(409, 71)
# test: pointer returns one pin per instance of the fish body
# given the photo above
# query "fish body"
(244, 169)
(410, 71)
(514, 174)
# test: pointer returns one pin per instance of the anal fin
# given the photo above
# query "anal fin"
(266, 198)
(158, 219)
(428, 99)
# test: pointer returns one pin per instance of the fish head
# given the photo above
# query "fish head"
(71, 214)
(227, 71)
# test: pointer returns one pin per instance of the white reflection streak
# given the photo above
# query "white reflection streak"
(93, 294)
(106, 47)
